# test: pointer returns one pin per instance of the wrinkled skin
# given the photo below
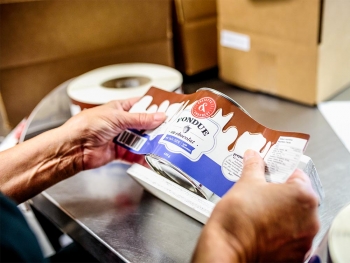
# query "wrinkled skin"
(84, 142)
(95, 128)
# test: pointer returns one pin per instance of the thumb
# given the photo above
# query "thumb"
(141, 121)
(253, 166)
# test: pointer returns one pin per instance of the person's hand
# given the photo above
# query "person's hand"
(258, 221)
(94, 129)
(84, 142)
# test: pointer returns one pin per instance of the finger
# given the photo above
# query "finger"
(302, 184)
(127, 104)
(253, 166)
(123, 104)
(298, 176)
(301, 180)
(140, 121)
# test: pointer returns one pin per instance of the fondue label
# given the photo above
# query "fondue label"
(205, 136)
(190, 136)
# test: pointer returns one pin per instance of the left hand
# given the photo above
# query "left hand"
(95, 128)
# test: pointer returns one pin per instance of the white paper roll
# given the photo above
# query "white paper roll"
(120, 81)
(339, 237)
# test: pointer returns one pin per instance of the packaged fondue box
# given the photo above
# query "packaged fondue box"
(201, 144)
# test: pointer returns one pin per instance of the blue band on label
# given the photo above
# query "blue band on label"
(205, 170)
(183, 145)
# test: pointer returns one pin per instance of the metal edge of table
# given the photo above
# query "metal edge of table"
(75, 229)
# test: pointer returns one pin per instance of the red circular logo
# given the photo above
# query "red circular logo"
(204, 108)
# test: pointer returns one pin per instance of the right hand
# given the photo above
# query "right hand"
(258, 221)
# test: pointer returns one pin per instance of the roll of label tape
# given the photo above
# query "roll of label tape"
(120, 81)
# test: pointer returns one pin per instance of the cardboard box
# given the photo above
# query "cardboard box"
(195, 35)
(298, 50)
(192, 10)
(44, 43)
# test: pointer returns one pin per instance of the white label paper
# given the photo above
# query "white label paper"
(234, 40)
(283, 158)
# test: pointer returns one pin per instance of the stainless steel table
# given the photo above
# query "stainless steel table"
(114, 218)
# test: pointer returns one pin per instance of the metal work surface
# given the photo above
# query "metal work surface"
(114, 218)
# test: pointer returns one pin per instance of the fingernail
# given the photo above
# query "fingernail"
(249, 154)
(159, 116)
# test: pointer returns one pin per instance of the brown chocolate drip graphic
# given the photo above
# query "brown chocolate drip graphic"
(265, 145)
(240, 120)
(232, 145)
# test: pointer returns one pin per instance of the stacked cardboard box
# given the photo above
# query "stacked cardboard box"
(295, 49)
(44, 43)
(195, 35)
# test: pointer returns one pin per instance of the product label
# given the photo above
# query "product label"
(206, 135)
(190, 136)
(234, 40)
(282, 157)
